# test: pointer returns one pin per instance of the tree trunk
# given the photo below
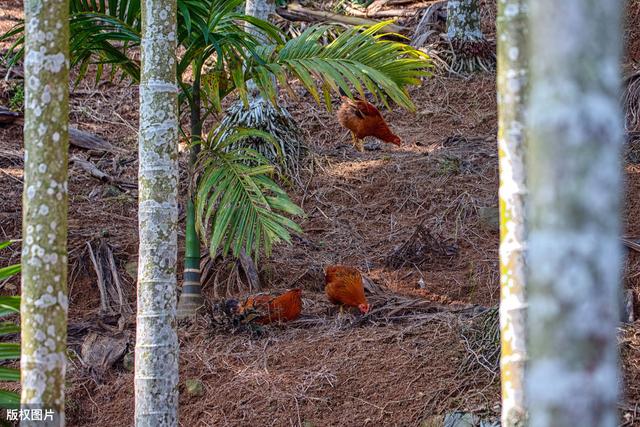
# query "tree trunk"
(260, 9)
(44, 218)
(512, 81)
(191, 296)
(156, 364)
(463, 21)
(470, 51)
(575, 130)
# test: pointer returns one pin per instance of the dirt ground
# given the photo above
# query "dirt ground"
(360, 208)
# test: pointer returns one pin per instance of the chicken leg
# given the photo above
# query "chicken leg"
(357, 142)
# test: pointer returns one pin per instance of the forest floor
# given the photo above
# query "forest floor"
(360, 209)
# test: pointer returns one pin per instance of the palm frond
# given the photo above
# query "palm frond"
(104, 39)
(105, 31)
(224, 47)
(238, 201)
(9, 351)
(359, 57)
(9, 399)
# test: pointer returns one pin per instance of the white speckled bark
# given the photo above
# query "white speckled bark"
(44, 218)
(463, 20)
(575, 130)
(260, 9)
(156, 367)
(512, 79)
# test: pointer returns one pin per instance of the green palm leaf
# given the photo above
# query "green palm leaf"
(9, 305)
(237, 200)
(8, 271)
(8, 328)
(9, 351)
(358, 57)
(9, 374)
(9, 399)
(104, 33)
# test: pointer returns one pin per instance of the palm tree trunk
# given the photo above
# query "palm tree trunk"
(156, 364)
(471, 50)
(44, 217)
(463, 20)
(191, 296)
(512, 81)
(575, 128)
(258, 9)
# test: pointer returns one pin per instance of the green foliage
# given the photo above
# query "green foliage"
(9, 351)
(358, 57)
(16, 97)
(224, 57)
(237, 199)
(212, 33)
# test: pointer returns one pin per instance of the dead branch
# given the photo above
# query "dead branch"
(77, 138)
(7, 116)
(296, 12)
(112, 298)
(631, 243)
(250, 271)
(386, 13)
(89, 141)
(93, 171)
(435, 13)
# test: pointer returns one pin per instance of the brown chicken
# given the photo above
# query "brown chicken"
(343, 285)
(363, 119)
(265, 309)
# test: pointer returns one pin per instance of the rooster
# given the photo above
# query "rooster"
(265, 309)
(344, 286)
(363, 119)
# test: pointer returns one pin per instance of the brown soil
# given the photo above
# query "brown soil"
(360, 209)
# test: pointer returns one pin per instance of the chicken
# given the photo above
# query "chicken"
(363, 119)
(265, 309)
(344, 286)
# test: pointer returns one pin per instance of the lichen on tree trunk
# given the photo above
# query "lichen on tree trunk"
(463, 20)
(471, 50)
(156, 355)
(575, 128)
(512, 76)
(44, 217)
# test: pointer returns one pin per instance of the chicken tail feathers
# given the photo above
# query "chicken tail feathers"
(342, 92)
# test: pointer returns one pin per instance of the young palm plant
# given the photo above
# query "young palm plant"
(218, 59)
(264, 115)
